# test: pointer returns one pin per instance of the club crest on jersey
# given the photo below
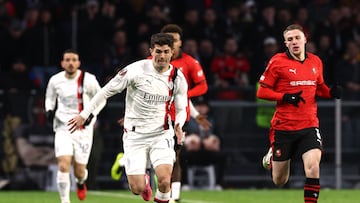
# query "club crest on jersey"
(278, 153)
(313, 70)
(122, 72)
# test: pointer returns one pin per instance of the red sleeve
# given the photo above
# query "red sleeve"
(198, 90)
(267, 93)
(323, 91)
(198, 79)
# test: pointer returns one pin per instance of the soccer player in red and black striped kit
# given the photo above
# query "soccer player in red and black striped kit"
(197, 86)
(293, 79)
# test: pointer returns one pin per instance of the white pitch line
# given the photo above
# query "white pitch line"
(111, 194)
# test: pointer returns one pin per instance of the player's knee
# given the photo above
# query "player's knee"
(136, 188)
(280, 181)
(164, 184)
(312, 171)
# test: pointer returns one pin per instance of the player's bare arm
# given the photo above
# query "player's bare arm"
(179, 134)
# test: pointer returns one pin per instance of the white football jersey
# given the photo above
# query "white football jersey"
(67, 94)
(148, 96)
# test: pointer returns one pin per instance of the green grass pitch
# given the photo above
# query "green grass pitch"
(225, 196)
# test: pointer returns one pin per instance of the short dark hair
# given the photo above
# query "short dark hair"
(162, 39)
(293, 27)
(71, 51)
(172, 28)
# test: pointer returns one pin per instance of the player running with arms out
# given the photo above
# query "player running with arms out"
(152, 86)
(197, 86)
(67, 93)
(293, 79)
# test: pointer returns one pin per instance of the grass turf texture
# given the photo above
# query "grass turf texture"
(226, 196)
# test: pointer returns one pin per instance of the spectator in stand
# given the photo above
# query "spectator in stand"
(192, 24)
(261, 58)
(17, 84)
(142, 50)
(210, 27)
(202, 146)
(347, 73)
(302, 18)
(44, 44)
(12, 44)
(31, 15)
(118, 54)
(327, 55)
(206, 55)
(333, 28)
(266, 25)
(231, 71)
(232, 23)
(156, 18)
(191, 47)
(92, 37)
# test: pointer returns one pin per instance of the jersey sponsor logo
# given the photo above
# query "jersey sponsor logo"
(155, 98)
(292, 71)
(303, 83)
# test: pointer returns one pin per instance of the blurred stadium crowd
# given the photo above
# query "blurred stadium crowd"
(231, 39)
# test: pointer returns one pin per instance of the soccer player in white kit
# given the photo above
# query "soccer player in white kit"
(67, 93)
(152, 85)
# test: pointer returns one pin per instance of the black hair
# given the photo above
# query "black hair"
(162, 39)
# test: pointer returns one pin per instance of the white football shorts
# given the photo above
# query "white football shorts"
(77, 144)
(139, 148)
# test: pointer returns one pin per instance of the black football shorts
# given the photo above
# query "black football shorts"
(289, 143)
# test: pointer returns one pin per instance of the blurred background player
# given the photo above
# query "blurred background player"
(197, 86)
(67, 93)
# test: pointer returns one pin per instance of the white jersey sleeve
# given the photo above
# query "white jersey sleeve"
(91, 87)
(70, 96)
(193, 112)
(50, 96)
(115, 85)
(180, 98)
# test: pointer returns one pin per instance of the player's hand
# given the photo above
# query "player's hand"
(294, 98)
(75, 123)
(336, 91)
(203, 122)
(180, 135)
